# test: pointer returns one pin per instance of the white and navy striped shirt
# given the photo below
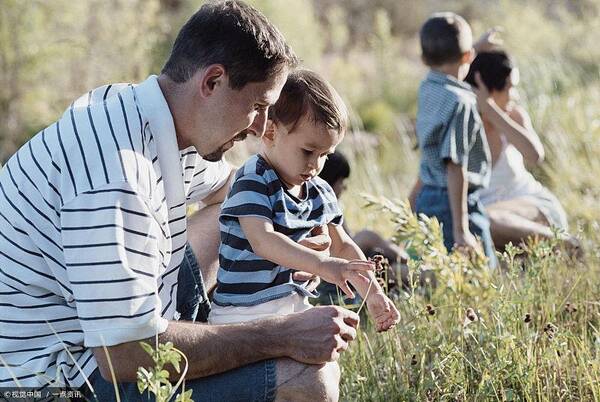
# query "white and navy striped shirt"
(245, 278)
(92, 232)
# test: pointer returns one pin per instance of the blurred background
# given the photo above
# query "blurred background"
(53, 51)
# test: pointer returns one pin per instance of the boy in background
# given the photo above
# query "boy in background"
(455, 157)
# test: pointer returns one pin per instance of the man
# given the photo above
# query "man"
(93, 229)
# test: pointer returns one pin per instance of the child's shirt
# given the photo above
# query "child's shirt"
(244, 278)
(449, 128)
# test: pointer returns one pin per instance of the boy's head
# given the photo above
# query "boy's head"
(335, 172)
(305, 125)
(446, 38)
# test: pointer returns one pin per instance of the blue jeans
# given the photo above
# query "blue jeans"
(253, 382)
(434, 201)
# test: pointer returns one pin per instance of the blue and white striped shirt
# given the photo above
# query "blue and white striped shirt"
(92, 233)
(449, 129)
(244, 278)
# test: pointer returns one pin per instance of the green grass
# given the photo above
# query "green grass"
(536, 336)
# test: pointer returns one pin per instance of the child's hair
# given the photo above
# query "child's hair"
(445, 37)
(336, 167)
(305, 92)
(494, 66)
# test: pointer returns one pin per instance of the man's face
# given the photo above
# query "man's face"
(237, 114)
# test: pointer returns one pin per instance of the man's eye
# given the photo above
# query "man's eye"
(307, 151)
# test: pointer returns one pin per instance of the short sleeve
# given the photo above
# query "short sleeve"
(203, 178)
(249, 196)
(330, 207)
(112, 253)
(454, 146)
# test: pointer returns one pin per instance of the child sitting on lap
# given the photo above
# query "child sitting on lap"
(277, 200)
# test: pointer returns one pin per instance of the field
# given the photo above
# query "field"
(530, 332)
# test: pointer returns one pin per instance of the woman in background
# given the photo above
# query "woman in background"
(519, 206)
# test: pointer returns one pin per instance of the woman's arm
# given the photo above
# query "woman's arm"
(516, 126)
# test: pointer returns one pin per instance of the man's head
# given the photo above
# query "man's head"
(228, 65)
(446, 38)
(305, 125)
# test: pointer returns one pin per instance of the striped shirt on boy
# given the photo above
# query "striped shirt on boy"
(449, 128)
(244, 278)
(92, 233)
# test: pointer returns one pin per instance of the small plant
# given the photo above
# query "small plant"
(156, 379)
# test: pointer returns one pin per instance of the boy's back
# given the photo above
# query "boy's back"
(449, 128)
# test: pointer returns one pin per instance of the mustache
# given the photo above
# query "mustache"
(218, 154)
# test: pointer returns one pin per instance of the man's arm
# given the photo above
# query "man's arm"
(314, 336)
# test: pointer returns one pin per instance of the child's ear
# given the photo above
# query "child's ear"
(468, 57)
(270, 131)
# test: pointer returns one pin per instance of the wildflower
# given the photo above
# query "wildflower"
(570, 308)
(471, 316)
(380, 262)
(430, 309)
(550, 330)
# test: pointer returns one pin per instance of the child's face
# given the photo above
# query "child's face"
(299, 155)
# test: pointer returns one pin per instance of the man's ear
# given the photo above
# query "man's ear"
(213, 77)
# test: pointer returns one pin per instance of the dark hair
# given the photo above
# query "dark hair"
(445, 37)
(235, 35)
(305, 92)
(495, 67)
(336, 167)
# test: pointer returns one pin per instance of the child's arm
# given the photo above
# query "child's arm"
(381, 308)
(457, 193)
(412, 198)
(282, 250)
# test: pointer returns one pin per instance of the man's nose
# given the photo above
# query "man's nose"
(259, 125)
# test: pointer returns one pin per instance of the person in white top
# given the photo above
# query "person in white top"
(518, 205)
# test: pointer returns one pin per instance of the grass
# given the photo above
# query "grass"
(529, 332)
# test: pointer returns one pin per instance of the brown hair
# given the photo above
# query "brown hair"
(445, 37)
(305, 92)
(235, 35)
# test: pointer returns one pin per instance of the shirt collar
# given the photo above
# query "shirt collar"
(155, 109)
(445, 79)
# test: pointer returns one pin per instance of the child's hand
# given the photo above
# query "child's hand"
(319, 240)
(339, 272)
(466, 243)
(383, 311)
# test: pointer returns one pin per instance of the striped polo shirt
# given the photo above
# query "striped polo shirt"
(449, 128)
(92, 233)
(244, 278)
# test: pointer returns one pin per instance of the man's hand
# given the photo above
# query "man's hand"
(320, 334)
